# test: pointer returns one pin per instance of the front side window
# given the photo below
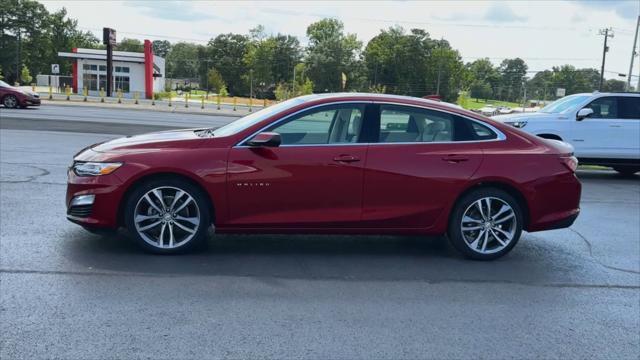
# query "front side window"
(604, 108)
(402, 124)
(629, 107)
(326, 125)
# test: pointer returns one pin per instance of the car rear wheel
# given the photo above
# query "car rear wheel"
(167, 216)
(485, 224)
(10, 101)
(627, 170)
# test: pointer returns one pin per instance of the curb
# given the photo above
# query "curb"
(156, 108)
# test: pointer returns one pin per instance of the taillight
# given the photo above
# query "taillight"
(571, 162)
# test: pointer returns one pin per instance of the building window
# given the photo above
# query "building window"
(122, 83)
(122, 69)
(90, 81)
(103, 67)
(89, 67)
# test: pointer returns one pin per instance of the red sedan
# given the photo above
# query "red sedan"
(13, 97)
(338, 163)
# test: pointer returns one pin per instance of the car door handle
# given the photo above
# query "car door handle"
(346, 158)
(615, 126)
(455, 158)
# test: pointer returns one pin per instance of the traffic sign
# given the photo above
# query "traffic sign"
(55, 68)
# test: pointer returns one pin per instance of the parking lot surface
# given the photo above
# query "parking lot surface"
(66, 293)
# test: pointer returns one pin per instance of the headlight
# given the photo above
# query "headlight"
(95, 168)
(518, 124)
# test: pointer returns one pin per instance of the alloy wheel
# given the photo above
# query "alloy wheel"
(167, 217)
(488, 225)
(10, 101)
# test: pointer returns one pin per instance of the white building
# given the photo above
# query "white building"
(133, 72)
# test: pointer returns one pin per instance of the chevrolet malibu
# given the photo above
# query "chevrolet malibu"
(331, 164)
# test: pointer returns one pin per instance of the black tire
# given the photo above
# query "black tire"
(10, 101)
(168, 184)
(466, 202)
(627, 170)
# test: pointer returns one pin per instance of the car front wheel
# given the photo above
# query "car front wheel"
(167, 216)
(10, 101)
(485, 224)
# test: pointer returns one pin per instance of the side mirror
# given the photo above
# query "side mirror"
(267, 139)
(583, 113)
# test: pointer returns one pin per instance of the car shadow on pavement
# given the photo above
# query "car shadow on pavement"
(330, 257)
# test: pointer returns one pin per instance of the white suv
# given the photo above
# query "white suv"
(604, 128)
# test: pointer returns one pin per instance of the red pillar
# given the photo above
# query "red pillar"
(148, 69)
(74, 75)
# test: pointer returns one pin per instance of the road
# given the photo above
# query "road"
(100, 120)
(65, 293)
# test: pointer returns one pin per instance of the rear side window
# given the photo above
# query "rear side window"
(481, 132)
(629, 107)
(405, 124)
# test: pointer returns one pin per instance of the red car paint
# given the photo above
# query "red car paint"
(363, 188)
(24, 98)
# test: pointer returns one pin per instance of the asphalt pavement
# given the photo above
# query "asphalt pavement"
(66, 293)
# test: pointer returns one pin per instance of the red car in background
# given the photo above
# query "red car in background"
(334, 163)
(13, 97)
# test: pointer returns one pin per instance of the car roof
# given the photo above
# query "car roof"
(597, 93)
(375, 97)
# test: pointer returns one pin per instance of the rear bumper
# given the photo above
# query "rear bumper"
(564, 223)
(556, 203)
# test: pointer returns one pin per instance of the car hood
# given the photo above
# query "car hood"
(187, 138)
(533, 116)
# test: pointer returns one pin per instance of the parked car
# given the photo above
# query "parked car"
(333, 163)
(502, 110)
(13, 97)
(604, 128)
(488, 110)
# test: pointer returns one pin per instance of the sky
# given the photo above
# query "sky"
(543, 33)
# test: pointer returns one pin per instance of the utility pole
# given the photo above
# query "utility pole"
(18, 50)
(251, 84)
(293, 84)
(608, 33)
(633, 55)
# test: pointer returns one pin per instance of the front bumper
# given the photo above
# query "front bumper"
(31, 102)
(103, 212)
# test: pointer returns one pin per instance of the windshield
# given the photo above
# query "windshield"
(564, 104)
(252, 119)
(4, 84)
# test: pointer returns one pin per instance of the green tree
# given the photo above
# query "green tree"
(413, 64)
(482, 70)
(133, 45)
(513, 75)
(480, 90)
(227, 53)
(614, 85)
(282, 92)
(216, 83)
(25, 75)
(182, 61)
(223, 91)
(330, 53)
(161, 48)
(444, 72)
